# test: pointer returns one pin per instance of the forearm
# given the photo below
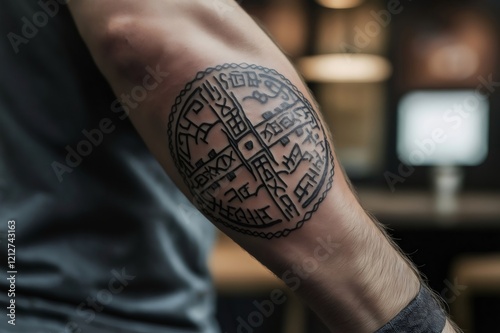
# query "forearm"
(303, 222)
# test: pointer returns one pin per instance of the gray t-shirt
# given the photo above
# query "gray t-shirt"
(104, 241)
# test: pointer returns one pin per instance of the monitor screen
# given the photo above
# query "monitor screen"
(443, 128)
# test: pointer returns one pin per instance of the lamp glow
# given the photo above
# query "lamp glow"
(345, 68)
(340, 4)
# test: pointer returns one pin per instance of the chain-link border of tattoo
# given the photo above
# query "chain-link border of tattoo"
(200, 75)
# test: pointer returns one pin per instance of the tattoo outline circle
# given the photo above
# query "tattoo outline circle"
(230, 157)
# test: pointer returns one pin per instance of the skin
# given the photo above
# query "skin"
(365, 281)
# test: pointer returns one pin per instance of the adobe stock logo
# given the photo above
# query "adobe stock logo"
(363, 36)
(293, 278)
(96, 302)
(94, 137)
(31, 26)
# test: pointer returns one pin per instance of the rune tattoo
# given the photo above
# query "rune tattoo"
(251, 149)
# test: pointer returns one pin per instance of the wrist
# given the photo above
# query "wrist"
(370, 284)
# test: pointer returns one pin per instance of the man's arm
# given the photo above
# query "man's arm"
(233, 125)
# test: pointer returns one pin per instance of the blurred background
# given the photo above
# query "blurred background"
(411, 92)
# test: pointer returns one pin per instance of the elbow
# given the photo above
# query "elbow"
(124, 49)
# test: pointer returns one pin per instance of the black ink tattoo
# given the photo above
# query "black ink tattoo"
(251, 149)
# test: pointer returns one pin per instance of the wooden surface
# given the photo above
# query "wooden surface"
(238, 274)
(417, 208)
(480, 275)
(235, 271)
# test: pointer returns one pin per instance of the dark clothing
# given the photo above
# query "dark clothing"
(104, 241)
(422, 315)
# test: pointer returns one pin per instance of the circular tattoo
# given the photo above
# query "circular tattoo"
(251, 149)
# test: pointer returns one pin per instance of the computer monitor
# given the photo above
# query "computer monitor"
(443, 128)
(446, 130)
